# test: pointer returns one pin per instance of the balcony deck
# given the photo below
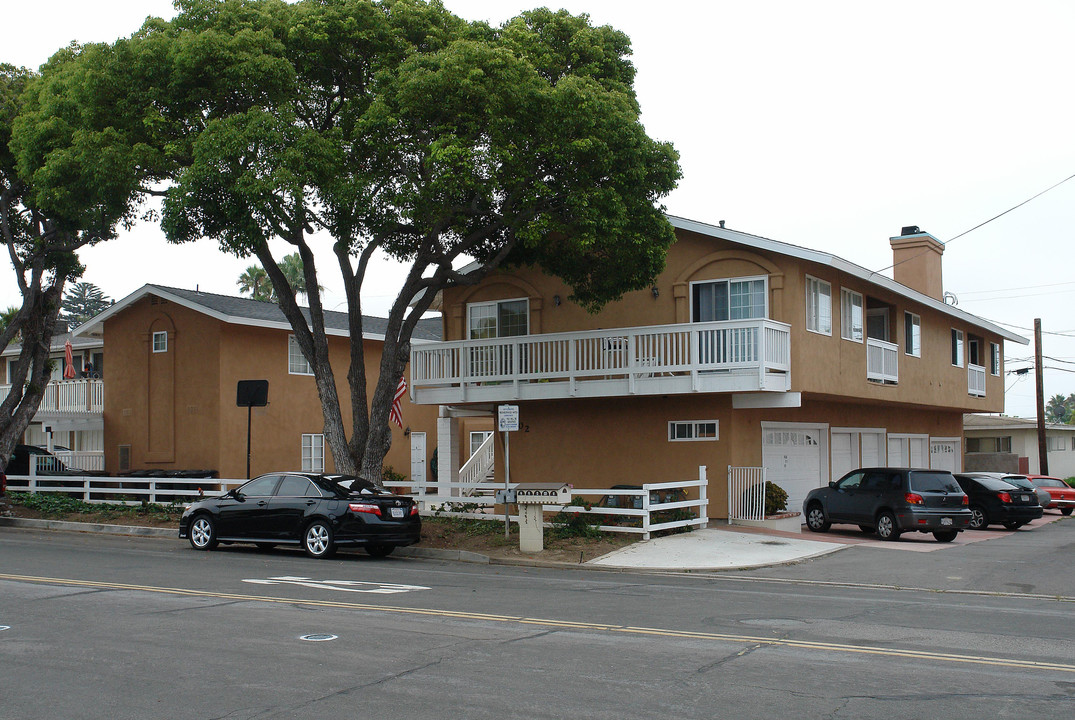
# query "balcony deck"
(713, 357)
(68, 398)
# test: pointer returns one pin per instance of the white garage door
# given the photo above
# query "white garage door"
(792, 460)
(944, 454)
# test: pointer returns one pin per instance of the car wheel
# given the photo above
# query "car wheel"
(815, 518)
(887, 529)
(945, 535)
(379, 550)
(203, 533)
(1066, 511)
(317, 540)
(866, 529)
(978, 520)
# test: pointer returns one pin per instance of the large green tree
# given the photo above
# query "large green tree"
(74, 165)
(81, 302)
(397, 127)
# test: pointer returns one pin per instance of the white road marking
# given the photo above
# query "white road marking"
(357, 586)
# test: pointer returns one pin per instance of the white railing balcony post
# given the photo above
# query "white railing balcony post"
(882, 361)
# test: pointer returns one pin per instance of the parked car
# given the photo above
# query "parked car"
(1061, 495)
(993, 500)
(317, 512)
(19, 464)
(1019, 481)
(891, 501)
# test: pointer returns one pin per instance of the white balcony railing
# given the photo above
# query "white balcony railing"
(84, 396)
(976, 380)
(735, 356)
(882, 361)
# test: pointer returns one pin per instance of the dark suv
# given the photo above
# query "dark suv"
(993, 500)
(891, 501)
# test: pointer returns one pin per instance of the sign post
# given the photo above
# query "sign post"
(251, 394)
(507, 421)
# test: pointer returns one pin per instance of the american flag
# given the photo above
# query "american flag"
(396, 415)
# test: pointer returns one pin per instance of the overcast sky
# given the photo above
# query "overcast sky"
(828, 124)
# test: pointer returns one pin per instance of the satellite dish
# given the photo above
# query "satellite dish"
(950, 299)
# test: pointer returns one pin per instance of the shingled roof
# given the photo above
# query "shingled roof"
(244, 311)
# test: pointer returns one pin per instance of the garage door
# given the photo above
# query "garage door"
(792, 459)
(944, 454)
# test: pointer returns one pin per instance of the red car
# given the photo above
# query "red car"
(1063, 495)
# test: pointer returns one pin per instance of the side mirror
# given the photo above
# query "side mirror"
(236, 494)
(832, 483)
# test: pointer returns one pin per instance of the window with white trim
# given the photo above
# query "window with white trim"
(912, 335)
(850, 315)
(296, 361)
(957, 347)
(994, 359)
(313, 453)
(501, 318)
(693, 430)
(477, 437)
(160, 342)
(744, 298)
(1002, 444)
(818, 306)
(1055, 443)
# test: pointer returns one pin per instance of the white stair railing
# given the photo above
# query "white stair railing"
(478, 468)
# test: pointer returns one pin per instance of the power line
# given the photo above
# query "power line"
(981, 224)
(1025, 287)
(1065, 333)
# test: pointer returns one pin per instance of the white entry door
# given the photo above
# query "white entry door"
(418, 459)
(944, 454)
(792, 456)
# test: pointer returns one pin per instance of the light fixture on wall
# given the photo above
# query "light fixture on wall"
(556, 300)
(655, 291)
(407, 430)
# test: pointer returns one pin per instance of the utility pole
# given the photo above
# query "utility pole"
(1039, 383)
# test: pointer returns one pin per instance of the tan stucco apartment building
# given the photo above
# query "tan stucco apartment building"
(745, 352)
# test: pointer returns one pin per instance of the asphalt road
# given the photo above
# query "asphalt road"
(107, 627)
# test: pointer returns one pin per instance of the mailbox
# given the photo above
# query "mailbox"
(543, 494)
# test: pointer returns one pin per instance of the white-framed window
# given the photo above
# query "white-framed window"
(818, 306)
(693, 430)
(851, 315)
(1055, 443)
(744, 298)
(160, 342)
(957, 347)
(994, 359)
(501, 318)
(296, 362)
(1002, 444)
(912, 336)
(477, 437)
(313, 453)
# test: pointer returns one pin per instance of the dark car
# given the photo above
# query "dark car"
(891, 501)
(993, 500)
(19, 463)
(318, 512)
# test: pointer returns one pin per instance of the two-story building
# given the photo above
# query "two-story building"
(69, 421)
(175, 359)
(744, 352)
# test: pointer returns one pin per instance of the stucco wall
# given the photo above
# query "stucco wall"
(187, 399)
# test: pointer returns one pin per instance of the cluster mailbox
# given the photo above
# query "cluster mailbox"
(543, 494)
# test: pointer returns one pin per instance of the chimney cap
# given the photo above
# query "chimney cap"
(910, 230)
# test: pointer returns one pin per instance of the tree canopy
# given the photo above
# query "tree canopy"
(397, 127)
(81, 302)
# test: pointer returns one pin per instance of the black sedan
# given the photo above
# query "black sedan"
(318, 512)
(997, 501)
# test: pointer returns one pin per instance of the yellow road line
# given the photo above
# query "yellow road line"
(565, 624)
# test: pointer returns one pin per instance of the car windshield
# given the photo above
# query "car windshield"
(934, 482)
(1019, 481)
(1048, 482)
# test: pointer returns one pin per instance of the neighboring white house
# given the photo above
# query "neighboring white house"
(991, 440)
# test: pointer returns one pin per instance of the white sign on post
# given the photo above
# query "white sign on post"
(508, 418)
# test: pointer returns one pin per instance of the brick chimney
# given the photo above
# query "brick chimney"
(916, 258)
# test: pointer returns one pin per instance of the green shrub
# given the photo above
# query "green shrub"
(574, 524)
(776, 499)
(58, 504)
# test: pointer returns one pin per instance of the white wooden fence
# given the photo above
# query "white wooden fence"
(634, 510)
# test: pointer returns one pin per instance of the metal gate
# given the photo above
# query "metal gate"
(746, 493)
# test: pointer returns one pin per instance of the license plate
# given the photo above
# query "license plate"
(397, 512)
(946, 521)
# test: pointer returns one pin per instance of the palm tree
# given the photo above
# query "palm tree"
(292, 268)
(255, 282)
(1058, 410)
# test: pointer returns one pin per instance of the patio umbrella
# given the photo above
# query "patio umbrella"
(69, 372)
